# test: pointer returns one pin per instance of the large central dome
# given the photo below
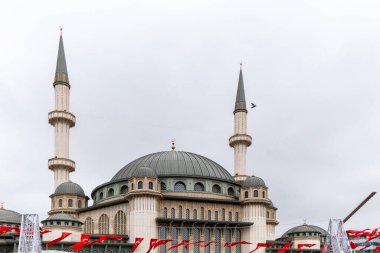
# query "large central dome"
(176, 163)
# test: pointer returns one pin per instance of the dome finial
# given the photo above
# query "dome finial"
(304, 222)
(60, 30)
(241, 65)
(173, 144)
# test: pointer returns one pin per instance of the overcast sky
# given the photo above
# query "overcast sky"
(145, 72)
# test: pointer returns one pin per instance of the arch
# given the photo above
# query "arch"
(60, 203)
(236, 216)
(231, 191)
(229, 216)
(70, 203)
(101, 196)
(150, 186)
(104, 224)
(195, 214)
(162, 236)
(180, 212)
(179, 186)
(120, 223)
(228, 239)
(110, 192)
(263, 194)
(140, 185)
(238, 238)
(218, 238)
(132, 186)
(199, 187)
(216, 188)
(185, 236)
(196, 236)
(246, 194)
(187, 213)
(52, 205)
(209, 215)
(202, 213)
(174, 237)
(163, 186)
(172, 213)
(255, 193)
(165, 213)
(223, 214)
(89, 225)
(124, 189)
(216, 216)
(79, 203)
(207, 239)
(267, 214)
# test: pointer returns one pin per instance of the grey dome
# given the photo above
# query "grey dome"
(305, 228)
(144, 172)
(70, 188)
(253, 181)
(176, 163)
(61, 217)
(8, 216)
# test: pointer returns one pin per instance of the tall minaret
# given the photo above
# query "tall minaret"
(240, 140)
(62, 120)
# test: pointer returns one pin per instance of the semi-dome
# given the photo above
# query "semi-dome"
(253, 181)
(305, 228)
(144, 172)
(8, 216)
(61, 217)
(70, 188)
(175, 164)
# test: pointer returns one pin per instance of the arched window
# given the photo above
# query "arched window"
(60, 203)
(179, 187)
(104, 224)
(195, 214)
(110, 193)
(187, 213)
(216, 215)
(268, 214)
(223, 214)
(246, 194)
(174, 237)
(202, 213)
(229, 216)
(165, 213)
(150, 185)
(162, 236)
(120, 224)
(196, 236)
(231, 191)
(207, 239)
(263, 194)
(218, 239)
(209, 214)
(236, 216)
(70, 203)
(132, 186)
(255, 193)
(79, 204)
(52, 205)
(228, 239)
(180, 212)
(101, 196)
(199, 187)
(163, 186)
(89, 226)
(172, 213)
(216, 189)
(140, 185)
(185, 236)
(124, 189)
(238, 238)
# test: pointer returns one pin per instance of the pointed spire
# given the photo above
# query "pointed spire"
(240, 104)
(61, 74)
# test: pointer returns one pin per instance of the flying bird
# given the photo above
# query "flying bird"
(253, 105)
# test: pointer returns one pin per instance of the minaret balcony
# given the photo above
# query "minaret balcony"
(240, 138)
(61, 163)
(59, 116)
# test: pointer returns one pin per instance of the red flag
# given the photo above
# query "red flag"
(235, 243)
(83, 242)
(367, 246)
(151, 244)
(299, 246)
(324, 248)
(63, 236)
(207, 244)
(161, 242)
(377, 249)
(44, 231)
(353, 245)
(5, 229)
(195, 243)
(137, 243)
(260, 245)
(178, 244)
(283, 250)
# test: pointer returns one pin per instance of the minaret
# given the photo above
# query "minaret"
(62, 120)
(240, 140)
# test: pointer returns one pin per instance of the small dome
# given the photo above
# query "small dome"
(61, 217)
(253, 181)
(144, 172)
(8, 216)
(70, 188)
(305, 228)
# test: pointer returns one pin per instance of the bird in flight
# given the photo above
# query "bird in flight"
(253, 105)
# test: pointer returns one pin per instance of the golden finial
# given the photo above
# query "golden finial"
(241, 65)
(173, 144)
(60, 29)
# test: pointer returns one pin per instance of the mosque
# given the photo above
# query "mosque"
(171, 194)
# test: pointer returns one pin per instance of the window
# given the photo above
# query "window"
(218, 239)
(52, 205)
(101, 196)
(179, 186)
(104, 224)
(70, 203)
(132, 186)
(163, 186)
(180, 212)
(110, 193)
(268, 214)
(124, 189)
(195, 214)
(187, 213)
(236, 216)
(185, 236)
(209, 214)
(162, 237)
(238, 238)
(150, 185)
(228, 239)
(216, 215)
(223, 214)
(207, 239)
(120, 226)
(165, 213)
(263, 195)
(202, 213)
(79, 204)
(229, 216)
(216, 189)
(231, 191)
(60, 203)
(196, 236)
(140, 185)
(255, 193)
(174, 237)
(246, 194)
(172, 213)
(199, 187)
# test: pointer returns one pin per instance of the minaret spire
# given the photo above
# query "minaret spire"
(240, 140)
(62, 120)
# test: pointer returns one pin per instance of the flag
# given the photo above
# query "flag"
(207, 244)
(151, 244)
(63, 236)
(5, 229)
(353, 245)
(299, 246)
(260, 245)
(137, 243)
(44, 231)
(195, 243)
(83, 242)
(161, 242)
(178, 244)
(229, 245)
(283, 250)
